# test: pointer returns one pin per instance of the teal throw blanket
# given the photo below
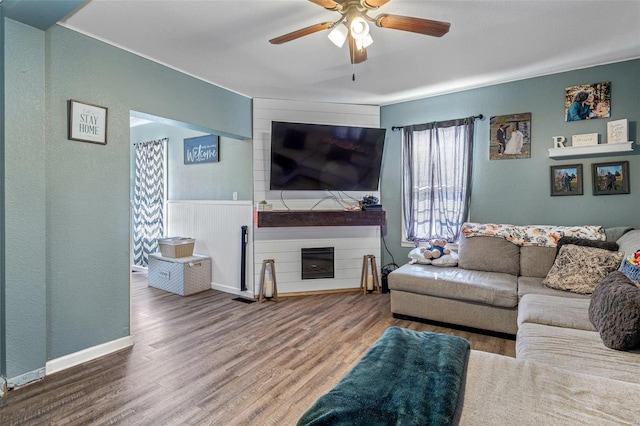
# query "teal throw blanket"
(406, 378)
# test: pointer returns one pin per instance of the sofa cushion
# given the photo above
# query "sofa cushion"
(580, 269)
(615, 311)
(629, 242)
(583, 242)
(581, 351)
(489, 254)
(536, 261)
(614, 233)
(557, 311)
(500, 390)
(490, 288)
(533, 285)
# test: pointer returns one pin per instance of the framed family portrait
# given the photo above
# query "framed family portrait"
(566, 180)
(510, 136)
(610, 178)
(87, 122)
(587, 101)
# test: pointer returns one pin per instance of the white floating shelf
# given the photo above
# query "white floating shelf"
(603, 148)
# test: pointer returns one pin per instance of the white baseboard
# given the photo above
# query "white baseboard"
(88, 354)
(232, 290)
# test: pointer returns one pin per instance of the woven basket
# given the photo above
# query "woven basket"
(630, 270)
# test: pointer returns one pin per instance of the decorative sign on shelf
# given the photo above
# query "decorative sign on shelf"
(558, 141)
(585, 139)
(617, 131)
(201, 149)
(87, 122)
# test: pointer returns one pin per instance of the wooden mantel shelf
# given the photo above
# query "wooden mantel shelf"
(290, 218)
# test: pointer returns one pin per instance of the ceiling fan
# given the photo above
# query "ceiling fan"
(353, 25)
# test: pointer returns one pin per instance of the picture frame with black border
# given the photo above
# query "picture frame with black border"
(87, 122)
(610, 178)
(566, 180)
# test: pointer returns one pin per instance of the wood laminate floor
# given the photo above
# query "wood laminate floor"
(206, 359)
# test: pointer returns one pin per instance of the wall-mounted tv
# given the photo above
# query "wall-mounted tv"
(316, 157)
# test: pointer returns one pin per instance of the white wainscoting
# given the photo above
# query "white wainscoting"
(216, 226)
(284, 244)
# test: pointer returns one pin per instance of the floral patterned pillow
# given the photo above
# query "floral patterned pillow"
(579, 269)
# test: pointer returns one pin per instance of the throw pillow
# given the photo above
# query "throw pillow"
(446, 260)
(417, 256)
(584, 242)
(579, 269)
(615, 312)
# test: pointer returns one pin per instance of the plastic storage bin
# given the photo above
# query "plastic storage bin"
(176, 246)
(183, 276)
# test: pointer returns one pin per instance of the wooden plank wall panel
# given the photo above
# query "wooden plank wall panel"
(284, 244)
(348, 254)
(216, 226)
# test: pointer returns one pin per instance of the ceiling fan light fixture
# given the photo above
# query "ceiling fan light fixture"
(363, 43)
(359, 28)
(338, 35)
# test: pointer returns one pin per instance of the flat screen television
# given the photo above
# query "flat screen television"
(316, 157)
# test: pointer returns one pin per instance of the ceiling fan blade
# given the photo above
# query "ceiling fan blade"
(356, 55)
(374, 4)
(328, 4)
(301, 33)
(414, 25)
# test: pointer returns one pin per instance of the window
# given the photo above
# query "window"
(437, 160)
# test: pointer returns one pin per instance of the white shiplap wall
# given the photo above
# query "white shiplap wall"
(284, 244)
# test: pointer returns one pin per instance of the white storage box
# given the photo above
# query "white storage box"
(183, 276)
(176, 246)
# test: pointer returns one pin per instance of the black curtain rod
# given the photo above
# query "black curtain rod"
(396, 128)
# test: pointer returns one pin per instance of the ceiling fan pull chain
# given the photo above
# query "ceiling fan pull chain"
(353, 66)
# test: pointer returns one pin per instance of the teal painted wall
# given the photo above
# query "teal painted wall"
(3, 358)
(517, 190)
(88, 185)
(208, 181)
(24, 154)
(67, 202)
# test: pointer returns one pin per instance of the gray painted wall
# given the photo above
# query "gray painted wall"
(208, 181)
(69, 215)
(517, 191)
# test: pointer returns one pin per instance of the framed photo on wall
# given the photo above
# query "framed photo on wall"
(610, 178)
(87, 122)
(510, 136)
(587, 101)
(566, 180)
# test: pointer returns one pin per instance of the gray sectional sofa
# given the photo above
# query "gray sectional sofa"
(563, 374)
(498, 286)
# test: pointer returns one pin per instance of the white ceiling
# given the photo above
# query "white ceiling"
(225, 42)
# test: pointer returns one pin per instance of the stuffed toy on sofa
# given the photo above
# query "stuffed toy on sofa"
(435, 250)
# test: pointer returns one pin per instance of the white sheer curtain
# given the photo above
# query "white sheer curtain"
(437, 163)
